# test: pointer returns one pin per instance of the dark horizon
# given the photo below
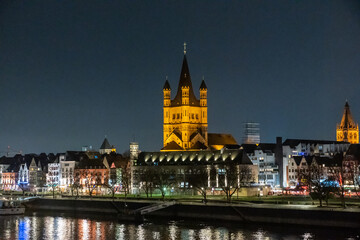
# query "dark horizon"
(73, 72)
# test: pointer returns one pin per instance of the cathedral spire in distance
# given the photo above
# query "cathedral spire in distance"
(347, 119)
(347, 130)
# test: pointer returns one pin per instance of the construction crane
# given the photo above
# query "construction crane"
(10, 151)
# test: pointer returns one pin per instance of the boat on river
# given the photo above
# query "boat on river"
(11, 207)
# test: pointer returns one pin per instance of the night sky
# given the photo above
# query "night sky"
(72, 72)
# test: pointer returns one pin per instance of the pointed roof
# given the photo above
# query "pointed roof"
(297, 159)
(221, 139)
(113, 165)
(354, 150)
(105, 144)
(167, 85)
(185, 81)
(199, 145)
(347, 120)
(172, 146)
(203, 85)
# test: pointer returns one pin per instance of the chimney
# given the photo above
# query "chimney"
(279, 159)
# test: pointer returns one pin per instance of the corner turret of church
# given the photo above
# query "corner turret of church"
(203, 94)
(167, 93)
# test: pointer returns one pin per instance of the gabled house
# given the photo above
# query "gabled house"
(10, 176)
(5, 163)
(37, 174)
(306, 147)
(298, 165)
(91, 175)
(352, 165)
(23, 179)
(117, 165)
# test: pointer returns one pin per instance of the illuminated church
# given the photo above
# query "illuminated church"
(347, 130)
(185, 125)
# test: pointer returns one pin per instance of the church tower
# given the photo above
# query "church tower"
(185, 123)
(347, 130)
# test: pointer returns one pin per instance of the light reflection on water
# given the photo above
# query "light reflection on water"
(81, 227)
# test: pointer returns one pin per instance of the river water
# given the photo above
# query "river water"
(66, 227)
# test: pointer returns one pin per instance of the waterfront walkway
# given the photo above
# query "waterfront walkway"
(353, 207)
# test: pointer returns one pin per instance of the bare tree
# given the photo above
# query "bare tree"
(351, 173)
(199, 179)
(147, 178)
(53, 185)
(91, 179)
(113, 181)
(163, 180)
(317, 182)
(75, 186)
(356, 177)
(341, 173)
(126, 179)
(232, 177)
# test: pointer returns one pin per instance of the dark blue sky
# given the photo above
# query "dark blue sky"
(72, 72)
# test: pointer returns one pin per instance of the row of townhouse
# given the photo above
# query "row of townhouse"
(84, 169)
(24, 172)
(342, 168)
(275, 164)
(274, 160)
(39, 173)
(299, 148)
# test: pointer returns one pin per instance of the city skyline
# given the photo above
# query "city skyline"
(73, 73)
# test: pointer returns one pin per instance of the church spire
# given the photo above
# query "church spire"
(167, 84)
(185, 82)
(185, 117)
(347, 119)
(203, 85)
(347, 130)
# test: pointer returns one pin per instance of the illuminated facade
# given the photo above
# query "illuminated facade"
(263, 156)
(53, 175)
(185, 117)
(347, 130)
(106, 148)
(182, 164)
(304, 147)
(185, 124)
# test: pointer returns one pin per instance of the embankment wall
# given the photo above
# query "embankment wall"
(249, 213)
